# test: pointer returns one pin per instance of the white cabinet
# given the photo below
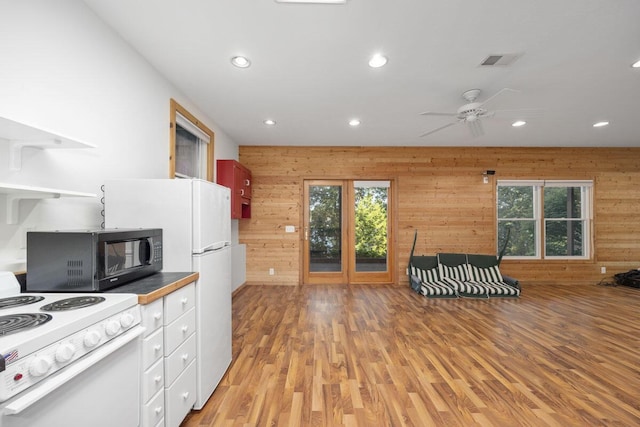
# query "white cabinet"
(179, 354)
(168, 358)
(152, 363)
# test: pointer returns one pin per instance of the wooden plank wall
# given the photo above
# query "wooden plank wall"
(441, 194)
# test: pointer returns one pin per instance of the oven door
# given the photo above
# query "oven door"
(101, 389)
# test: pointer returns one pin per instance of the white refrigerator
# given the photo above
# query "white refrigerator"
(195, 217)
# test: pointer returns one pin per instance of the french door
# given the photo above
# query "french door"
(347, 231)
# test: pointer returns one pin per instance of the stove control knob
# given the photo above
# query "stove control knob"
(126, 320)
(65, 352)
(112, 327)
(39, 366)
(91, 339)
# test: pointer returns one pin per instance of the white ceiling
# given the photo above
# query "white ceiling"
(309, 67)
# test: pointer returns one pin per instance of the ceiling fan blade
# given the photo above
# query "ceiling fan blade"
(438, 129)
(501, 91)
(431, 113)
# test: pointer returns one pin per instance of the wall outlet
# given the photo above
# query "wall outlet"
(603, 270)
(272, 272)
(289, 228)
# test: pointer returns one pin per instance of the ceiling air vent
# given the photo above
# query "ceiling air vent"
(499, 60)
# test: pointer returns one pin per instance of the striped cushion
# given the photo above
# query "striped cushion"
(473, 289)
(437, 289)
(455, 284)
(430, 285)
(459, 272)
(500, 289)
(484, 275)
(430, 275)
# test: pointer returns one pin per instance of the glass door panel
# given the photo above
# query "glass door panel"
(325, 255)
(371, 225)
(370, 258)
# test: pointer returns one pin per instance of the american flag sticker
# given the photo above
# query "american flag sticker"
(11, 356)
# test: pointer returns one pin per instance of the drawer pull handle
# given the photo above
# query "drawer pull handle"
(185, 356)
(157, 347)
(158, 378)
(185, 395)
(241, 192)
(157, 316)
(158, 409)
(184, 300)
(185, 328)
(247, 182)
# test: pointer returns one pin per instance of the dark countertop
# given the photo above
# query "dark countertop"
(156, 286)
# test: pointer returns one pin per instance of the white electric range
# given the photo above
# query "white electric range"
(69, 359)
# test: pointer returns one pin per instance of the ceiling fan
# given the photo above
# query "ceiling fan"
(470, 113)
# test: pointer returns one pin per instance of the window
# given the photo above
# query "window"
(191, 146)
(545, 219)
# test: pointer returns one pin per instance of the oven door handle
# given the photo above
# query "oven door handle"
(50, 384)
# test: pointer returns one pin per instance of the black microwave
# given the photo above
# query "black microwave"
(91, 260)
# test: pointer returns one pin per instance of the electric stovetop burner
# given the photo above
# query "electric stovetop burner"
(19, 300)
(18, 322)
(72, 303)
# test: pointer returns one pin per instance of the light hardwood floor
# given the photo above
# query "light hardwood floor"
(385, 356)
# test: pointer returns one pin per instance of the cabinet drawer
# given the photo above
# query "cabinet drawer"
(178, 331)
(152, 316)
(179, 302)
(152, 348)
(180, 397)
(179, 359)
(152, 381)
(153, 412)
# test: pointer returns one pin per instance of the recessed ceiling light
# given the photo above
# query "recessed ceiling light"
(269, 122)
(518, 123)
(636, 64)
(240, 62)
(600, 124)
(354, 122)
(377, 61)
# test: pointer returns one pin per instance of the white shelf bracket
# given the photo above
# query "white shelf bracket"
(15, 150)
(13, 204)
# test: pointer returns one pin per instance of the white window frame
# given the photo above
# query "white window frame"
(586, 216)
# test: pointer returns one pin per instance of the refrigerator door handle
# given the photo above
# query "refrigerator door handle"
(211, 247)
